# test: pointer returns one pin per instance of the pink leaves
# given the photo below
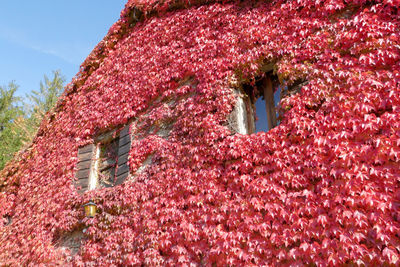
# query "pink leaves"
(322, 220)
(321, 188)
(391, 255)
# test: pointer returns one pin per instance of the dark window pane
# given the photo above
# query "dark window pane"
(261, 116)
(277, 99)
(277, 95)
(108, 163)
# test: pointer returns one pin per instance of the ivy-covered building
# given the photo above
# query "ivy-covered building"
(219, 133)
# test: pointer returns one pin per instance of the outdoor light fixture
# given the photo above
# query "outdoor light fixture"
(90, 209)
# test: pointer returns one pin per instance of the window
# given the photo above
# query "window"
(264, 98)
(104, 164)
(108, 158)
(255, 110)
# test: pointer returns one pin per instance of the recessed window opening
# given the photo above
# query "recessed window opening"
(108, 159)
(262, 101)
(105, 162)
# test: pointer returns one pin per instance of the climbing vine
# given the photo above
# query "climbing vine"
(323, 187)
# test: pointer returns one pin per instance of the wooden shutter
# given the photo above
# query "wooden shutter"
(123, 152)
(85, 156)
(107, 164)
(269, 102)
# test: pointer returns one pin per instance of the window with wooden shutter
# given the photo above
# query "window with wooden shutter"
(85, 160)
(124, 146)
(108, 158)
(265, 99)
(256, 107)
(105, 163)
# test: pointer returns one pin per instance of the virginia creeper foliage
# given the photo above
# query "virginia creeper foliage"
(323, 187)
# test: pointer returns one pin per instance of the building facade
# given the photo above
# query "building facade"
(217, 133)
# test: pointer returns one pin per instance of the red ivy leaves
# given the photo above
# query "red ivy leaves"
(322, 187)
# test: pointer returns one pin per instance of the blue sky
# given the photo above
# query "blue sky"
(37, 37)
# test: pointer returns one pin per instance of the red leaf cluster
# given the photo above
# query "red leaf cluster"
(323, 187)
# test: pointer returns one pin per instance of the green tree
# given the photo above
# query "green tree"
(44, 99)
(18, 125)
(9, 112)
(41, 102)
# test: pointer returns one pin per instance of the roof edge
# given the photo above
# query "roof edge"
(134, 11)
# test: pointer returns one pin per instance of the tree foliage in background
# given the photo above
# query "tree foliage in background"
(44, 99)
(19, 122)
(9, 111)
(41, 102)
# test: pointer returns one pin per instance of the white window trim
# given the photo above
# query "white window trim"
(94, 170)
(241, 116)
